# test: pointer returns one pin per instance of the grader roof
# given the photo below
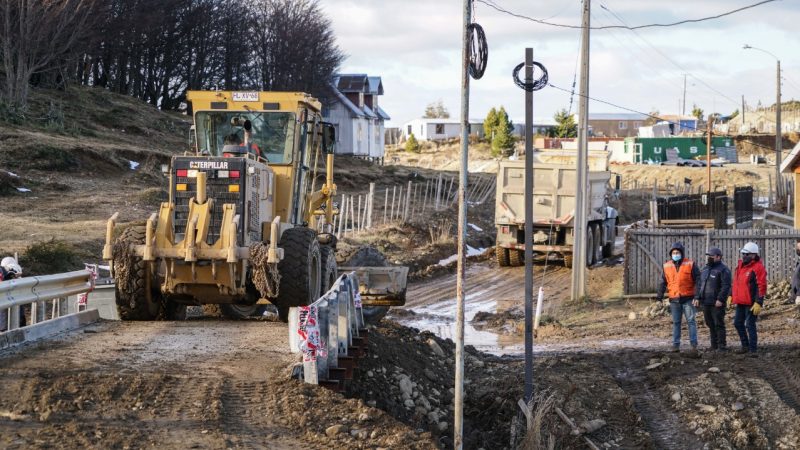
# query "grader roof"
(250, 100)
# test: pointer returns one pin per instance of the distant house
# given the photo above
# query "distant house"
(679, 124)
(352, 106)
(616, 124)
(541, 126)
(439, 129)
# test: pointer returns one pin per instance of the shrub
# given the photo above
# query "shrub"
(411, 144)
(49, 257)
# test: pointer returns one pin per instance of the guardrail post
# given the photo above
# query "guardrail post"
(332, 337)
(13, 318)
(344, 325)
(321, 353)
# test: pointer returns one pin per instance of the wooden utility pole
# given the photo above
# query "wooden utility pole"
(581, 190)
(458, 409)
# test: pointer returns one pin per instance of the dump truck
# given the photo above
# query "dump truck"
(554, 185)
(248, 220)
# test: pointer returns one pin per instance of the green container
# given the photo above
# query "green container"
(655, 149)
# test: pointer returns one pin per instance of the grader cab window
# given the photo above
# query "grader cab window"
(271, 132)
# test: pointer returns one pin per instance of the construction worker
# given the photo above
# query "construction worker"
(712, 293)
(749, 289)
(795, 293)
(678, 280)
(10, 269)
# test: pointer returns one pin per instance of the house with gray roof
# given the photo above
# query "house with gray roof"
(351, 104)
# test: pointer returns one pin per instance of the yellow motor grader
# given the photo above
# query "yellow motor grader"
(248, 220)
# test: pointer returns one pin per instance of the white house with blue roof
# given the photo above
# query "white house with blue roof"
(352, 106)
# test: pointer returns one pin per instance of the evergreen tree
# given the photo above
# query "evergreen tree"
(490, 123)
(565, 124)
(411, 144)
(503, 140)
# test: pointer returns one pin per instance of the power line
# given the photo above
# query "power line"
(653, 116)
(495, 6)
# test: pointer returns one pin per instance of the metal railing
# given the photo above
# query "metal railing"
(328, 331)
(45, 294)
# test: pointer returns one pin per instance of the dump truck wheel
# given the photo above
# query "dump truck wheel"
(502, 256)
(598, 249)
(300, 269)
(590, 252)
(515, 258)
(330, 271)
(174, 311)
(369, 257)
(233, 311)
(568, 261)
(138, 298)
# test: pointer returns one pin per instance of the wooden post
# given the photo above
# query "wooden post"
(425, 196)
(358, 214)
(408, 202)
(371, 198)
(352, 216)
(342, 217)
(385, 205)
(394, 196)
(398, 211)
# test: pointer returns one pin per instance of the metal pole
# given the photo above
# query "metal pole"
(580, 230)
(683, 110)
(778, 135)
(458, 412)
(528, 227)
(708, 158)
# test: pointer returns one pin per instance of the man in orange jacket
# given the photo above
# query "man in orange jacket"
(678, 280)
(749, 289)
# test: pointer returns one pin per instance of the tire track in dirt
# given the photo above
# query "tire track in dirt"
(783, 380)
(665, 427)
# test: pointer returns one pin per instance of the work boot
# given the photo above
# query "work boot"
(692, 353)
(723, 349)
(741, 351)
(675, 349)
(753, 355)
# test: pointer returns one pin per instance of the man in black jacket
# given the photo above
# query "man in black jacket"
(795, 292)
(712, 292)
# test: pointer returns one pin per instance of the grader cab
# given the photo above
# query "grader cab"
(248, 220)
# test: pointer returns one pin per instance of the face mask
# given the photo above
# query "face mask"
(710, 260)
(676, 258)
(747, 259)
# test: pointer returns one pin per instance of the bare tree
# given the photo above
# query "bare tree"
(35, 34)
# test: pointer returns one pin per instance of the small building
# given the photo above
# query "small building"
(439, 129)
(680, 124)
(351, 104)
(654, 150)
(615, 124)
(541, 126)
(791, 164)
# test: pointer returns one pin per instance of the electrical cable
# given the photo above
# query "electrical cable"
(535, 85)
(478, 51)
(652, 25)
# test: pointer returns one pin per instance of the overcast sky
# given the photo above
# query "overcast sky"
(414, 45)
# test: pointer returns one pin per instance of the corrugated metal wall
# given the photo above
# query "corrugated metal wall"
(654, 149)
(646, 251)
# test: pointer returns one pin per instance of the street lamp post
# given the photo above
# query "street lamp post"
(778, 130)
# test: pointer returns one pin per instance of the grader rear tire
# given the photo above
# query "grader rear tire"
(369, 257)
(300, 269)
(139, 298)
(330, 271)
(515, 258)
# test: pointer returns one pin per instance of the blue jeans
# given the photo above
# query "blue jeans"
(686, 309)
(745, 323)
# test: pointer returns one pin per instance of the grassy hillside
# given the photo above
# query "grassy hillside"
(74, 159)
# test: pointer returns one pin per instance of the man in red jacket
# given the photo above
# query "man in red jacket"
(749, 289)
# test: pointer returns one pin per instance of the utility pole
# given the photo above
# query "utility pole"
(528, 196)
(778, 138)
(458, 410)
(708, 158)
(683, 110)
(581, 191)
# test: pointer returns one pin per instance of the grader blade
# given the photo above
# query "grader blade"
(381, 286)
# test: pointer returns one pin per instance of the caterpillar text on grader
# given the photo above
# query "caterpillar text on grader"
(246, 222)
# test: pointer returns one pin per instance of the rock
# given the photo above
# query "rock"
(409, 403)
(435, 347)
(406, 387)
(699, 431)
(369, 373)
(713, 369)
(706, 408)
(334, 430)
(429, 373)
(45, 416)
(591, 426)
(372, 403)
(442, 426)
(423, 402)
(738, 406)
(676, 397)
(433, 417)
(632, 316)
(374, 434)
(363, 417)
(654, 366)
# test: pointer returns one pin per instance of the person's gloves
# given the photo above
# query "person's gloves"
(730, 301)
(755, 309)
(665, 302)
(696, 302)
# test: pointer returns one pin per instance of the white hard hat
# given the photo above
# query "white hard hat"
(750, 247)
(10, 264)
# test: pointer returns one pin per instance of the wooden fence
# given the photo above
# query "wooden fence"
(646, 250)
(404, 203)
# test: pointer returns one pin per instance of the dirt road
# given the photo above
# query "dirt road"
(194, 384)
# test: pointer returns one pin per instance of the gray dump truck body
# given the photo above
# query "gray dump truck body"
(554, 187)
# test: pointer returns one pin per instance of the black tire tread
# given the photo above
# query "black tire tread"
(294, 289)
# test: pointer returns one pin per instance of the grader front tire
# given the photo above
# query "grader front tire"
(300, 269)
(139, 297)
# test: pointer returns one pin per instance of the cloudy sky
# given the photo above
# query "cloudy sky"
(414, 45)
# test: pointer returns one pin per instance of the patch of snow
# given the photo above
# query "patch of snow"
(134, 165)
(470, 252)
(23, 189)
(475, 227)
(12, 174)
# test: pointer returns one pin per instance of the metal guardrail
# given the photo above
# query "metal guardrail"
(38, 291)
(329, 333)
(774, 219)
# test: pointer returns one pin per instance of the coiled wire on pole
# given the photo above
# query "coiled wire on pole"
(478, 51)
(535, 85)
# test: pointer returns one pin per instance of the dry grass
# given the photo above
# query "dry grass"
(441, 232)
(541, 406)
